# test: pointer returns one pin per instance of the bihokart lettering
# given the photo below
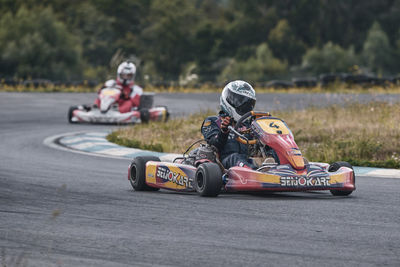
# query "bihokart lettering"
(166, 174)
(304, 181)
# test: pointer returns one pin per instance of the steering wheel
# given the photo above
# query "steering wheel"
(251, 114)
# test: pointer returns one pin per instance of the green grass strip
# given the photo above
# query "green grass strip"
(362, 134)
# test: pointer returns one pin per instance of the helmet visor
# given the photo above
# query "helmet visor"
(241, 103)
(246, 107)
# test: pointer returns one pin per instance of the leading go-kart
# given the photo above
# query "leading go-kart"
(280, 165)
(108, 112)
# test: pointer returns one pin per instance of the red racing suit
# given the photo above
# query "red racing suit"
(130, 95)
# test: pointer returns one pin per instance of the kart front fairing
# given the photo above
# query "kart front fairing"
(111, 116)
(285, 178)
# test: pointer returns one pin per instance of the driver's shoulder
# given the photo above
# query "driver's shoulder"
(209, 121)
(110, 83)
(137, 89)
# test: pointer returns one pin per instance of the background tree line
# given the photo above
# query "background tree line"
(199, 40)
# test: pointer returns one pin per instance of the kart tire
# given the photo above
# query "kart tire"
(137, 173)
(70, 113)
(146, 100)
(167, 114)
(336, 166)
(144, 115)
(208, 180)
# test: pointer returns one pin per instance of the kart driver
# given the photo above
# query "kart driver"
(130, 92)
(237, 98)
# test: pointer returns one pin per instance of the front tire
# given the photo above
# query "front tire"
(336, 166)
(208, 180)
(71, 113)
(137, 173)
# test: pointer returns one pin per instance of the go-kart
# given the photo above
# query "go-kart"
(271, 146)
(107, 111)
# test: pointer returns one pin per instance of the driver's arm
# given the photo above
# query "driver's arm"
(212, 133)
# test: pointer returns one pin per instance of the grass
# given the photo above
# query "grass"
(209, 88)
(362, 134)
(333, 88)
(172, 136)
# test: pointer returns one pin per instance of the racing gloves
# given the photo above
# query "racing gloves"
(225, 122)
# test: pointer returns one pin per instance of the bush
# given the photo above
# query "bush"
(262, 66)
(331, 58)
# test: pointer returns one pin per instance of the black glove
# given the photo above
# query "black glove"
(226, 121)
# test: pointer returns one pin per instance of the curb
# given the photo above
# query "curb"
(96, 144)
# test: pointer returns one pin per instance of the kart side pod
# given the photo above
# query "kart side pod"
(171, 176)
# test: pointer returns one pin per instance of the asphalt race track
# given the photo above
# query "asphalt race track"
(66, 209)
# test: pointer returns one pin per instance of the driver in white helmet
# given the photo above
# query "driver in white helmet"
(130, 92)
(237, 98)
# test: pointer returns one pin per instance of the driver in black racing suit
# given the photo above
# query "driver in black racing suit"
(237, 98)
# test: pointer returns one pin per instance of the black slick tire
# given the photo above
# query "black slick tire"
(137, 173)
(208, 180)
(336, 166)
(144, 115)
(70, 113)
(167, 114)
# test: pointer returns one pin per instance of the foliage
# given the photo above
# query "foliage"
(63, 39)
(262, 66)
(331, 58)
(33, 43)
(377, 52)
(284, 43)
(168, 41)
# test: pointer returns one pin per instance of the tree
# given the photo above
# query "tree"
(94, 30)
(33, 43)
(331, 58)
(284, 43)
(377, 52)
(168, 38)
(261, 67)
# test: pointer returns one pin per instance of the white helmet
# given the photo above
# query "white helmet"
(237, 98)
(126, 72)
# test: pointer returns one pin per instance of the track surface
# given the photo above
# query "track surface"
(65, 209)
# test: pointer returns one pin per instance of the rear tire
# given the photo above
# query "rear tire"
(146, 100)
(167, 114)
(336, 166)
(137, 176)
(208, 180)
(144, 115)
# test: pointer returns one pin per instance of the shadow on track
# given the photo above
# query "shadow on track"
(304, 196)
